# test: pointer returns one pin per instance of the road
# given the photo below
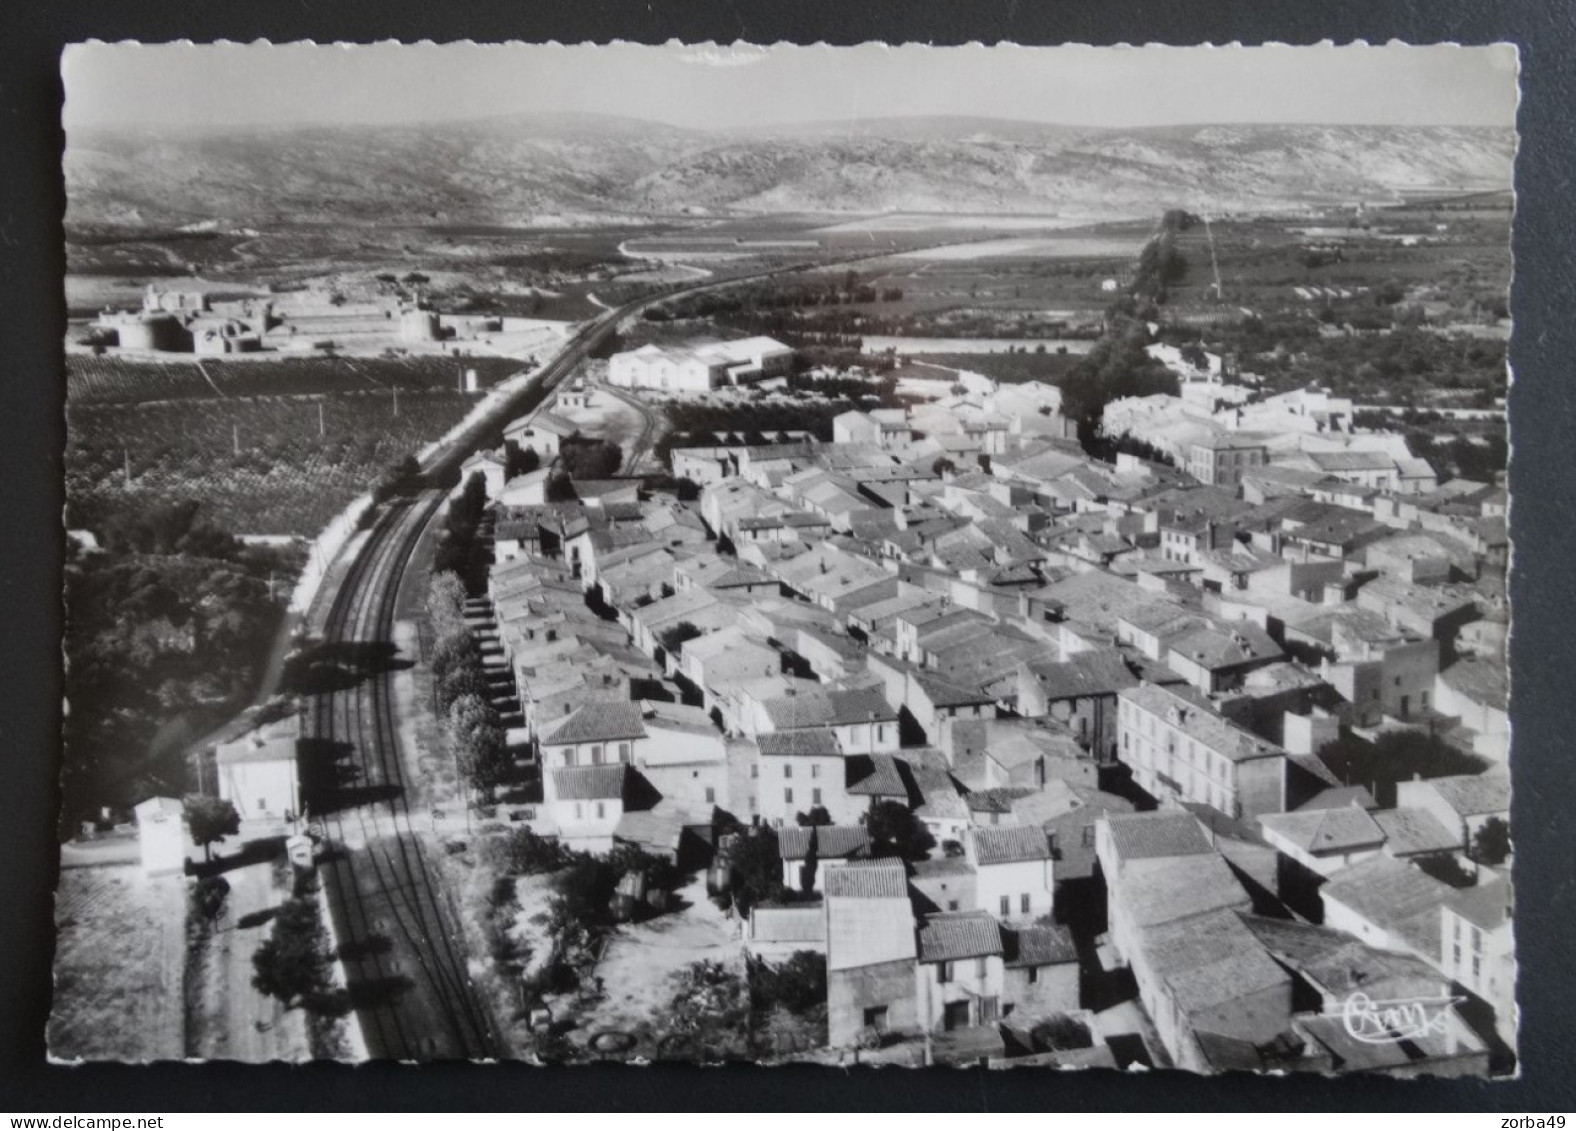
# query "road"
(399, 938)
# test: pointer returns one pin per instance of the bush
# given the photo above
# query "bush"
(293, 963)
(1060, 1033)
(798, 985)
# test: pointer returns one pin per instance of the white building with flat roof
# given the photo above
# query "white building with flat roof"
(699, 366)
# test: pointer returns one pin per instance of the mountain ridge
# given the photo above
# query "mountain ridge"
(509, 166)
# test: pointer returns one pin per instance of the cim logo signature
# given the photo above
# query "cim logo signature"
(1396, 1019)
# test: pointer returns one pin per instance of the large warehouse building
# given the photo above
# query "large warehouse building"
(699, 366)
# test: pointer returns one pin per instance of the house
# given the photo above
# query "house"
(597, 734)
(1380, 670)
(1387, 904)
(683, 756)
(799, 770)
(1220, 459)
(809, 851)
(258, 772)
(526, 490)
(1014, 878)
(946, 883)
(862, 719)
(544, 433)
(1315, 844)
(1329, 969)
(961, 974)
(870, 952)
(699, 366)
(1173, 909)
(1477, 691)
(490, 466)
(1040, 973)
(1477, 948)
(586, 803)
(776, 932)
(1080, 693)
(161, 836)
(1462, 803)
(717, 662)
(1180, 750)
(927, 697)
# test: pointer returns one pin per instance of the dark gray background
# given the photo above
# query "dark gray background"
(1543, 473)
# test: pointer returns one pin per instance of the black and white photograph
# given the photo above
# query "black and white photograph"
(727, 554)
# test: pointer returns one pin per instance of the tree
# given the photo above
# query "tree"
(798, 984)
(673, 637)
(518, 460)
(895, 831)
(209, 896)
(943, 466)
(817, 815)
(293, 962)
(210, 819)
(756, 869)
(478, 743)
(446, 605)
(1491, 843)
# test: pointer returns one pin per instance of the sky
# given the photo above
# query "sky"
(718, 87)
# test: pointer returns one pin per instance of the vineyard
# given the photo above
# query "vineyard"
(117, 380)
(262, 465)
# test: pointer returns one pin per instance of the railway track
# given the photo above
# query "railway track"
(404, 958)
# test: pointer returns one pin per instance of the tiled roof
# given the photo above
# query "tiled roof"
(1208, 960)
(1009, 844)
(1488, 905)
(950, 935)
(1410, 832)
(589, 783)
(792, 923)
(1199, 723)
(599, 722)
(1393, 895)
(1482, 681)
(996, 800)
(1099, 672)
(942, 866)
(1141, 836)
(1338, 796)
(1472, 795)
(830, 708)
(1181, 887)
(817, 742)
(872, 879)
(1040, 946)
(1326, 830)
(831, 842)
(875, 775)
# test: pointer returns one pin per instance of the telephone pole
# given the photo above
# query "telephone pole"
(396, 401)
(321, 429)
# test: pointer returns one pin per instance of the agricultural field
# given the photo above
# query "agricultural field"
(115, 380)
(262, 465)
(120, 959)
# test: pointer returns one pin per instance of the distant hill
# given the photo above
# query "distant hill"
(510, 169)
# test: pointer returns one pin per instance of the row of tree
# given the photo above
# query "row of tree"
(458, 549)
(472, 728)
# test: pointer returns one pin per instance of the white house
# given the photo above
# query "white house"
(257, 773)
(161, 835)
(1013, 870)
(586, 803)
(544, 433)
